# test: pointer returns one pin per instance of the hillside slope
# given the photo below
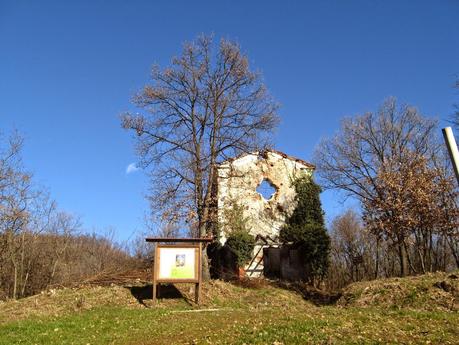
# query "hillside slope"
(433, 291)
(255, 312)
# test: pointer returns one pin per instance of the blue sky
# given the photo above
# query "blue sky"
(68, 69)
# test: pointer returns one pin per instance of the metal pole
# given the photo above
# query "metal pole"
(452, 149)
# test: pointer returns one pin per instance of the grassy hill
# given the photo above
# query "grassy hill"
(432, 291)
(410, 310)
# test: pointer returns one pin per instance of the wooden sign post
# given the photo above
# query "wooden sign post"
(179, 262)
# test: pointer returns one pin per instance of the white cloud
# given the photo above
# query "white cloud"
(131, 168)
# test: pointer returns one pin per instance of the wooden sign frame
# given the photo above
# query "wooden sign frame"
(197, 269)
(197, 244)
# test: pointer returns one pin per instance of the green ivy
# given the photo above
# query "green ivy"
(240, 241)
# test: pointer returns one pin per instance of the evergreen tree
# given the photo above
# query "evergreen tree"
(305, 227)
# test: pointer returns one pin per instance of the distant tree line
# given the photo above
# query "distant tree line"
(41, 246)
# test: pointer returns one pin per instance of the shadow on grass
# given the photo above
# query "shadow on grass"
(164, 291)
(309, 293)
(312, 294)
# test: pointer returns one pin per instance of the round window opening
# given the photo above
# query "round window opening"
(266, 189)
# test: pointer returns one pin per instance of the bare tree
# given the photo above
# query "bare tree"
(390, 162)
(355, 251)
(15, 189)
(25, 210)
(62, 229)
(351, 159)
(349, 244)
(207, 106)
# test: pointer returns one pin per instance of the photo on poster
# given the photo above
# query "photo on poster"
(180, 260)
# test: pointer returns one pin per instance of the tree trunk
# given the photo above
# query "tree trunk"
(205, 265)
(452, 245)
(421, 260)
(24, 284)
(53, 272)
(377, 258)
(205, 269)
(15, 282)
(402, 258)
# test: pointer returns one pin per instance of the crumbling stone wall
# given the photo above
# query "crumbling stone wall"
(238, 180)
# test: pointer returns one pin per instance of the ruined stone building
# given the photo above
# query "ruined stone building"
(262, 184)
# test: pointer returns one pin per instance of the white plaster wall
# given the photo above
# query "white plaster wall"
(238, 181)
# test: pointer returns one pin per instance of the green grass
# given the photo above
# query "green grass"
(266, 325)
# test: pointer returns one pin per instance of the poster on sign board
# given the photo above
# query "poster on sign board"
(177, 263)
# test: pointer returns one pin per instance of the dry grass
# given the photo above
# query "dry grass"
(58, 302)
(433, 292)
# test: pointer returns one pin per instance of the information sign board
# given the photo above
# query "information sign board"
(178, 263)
